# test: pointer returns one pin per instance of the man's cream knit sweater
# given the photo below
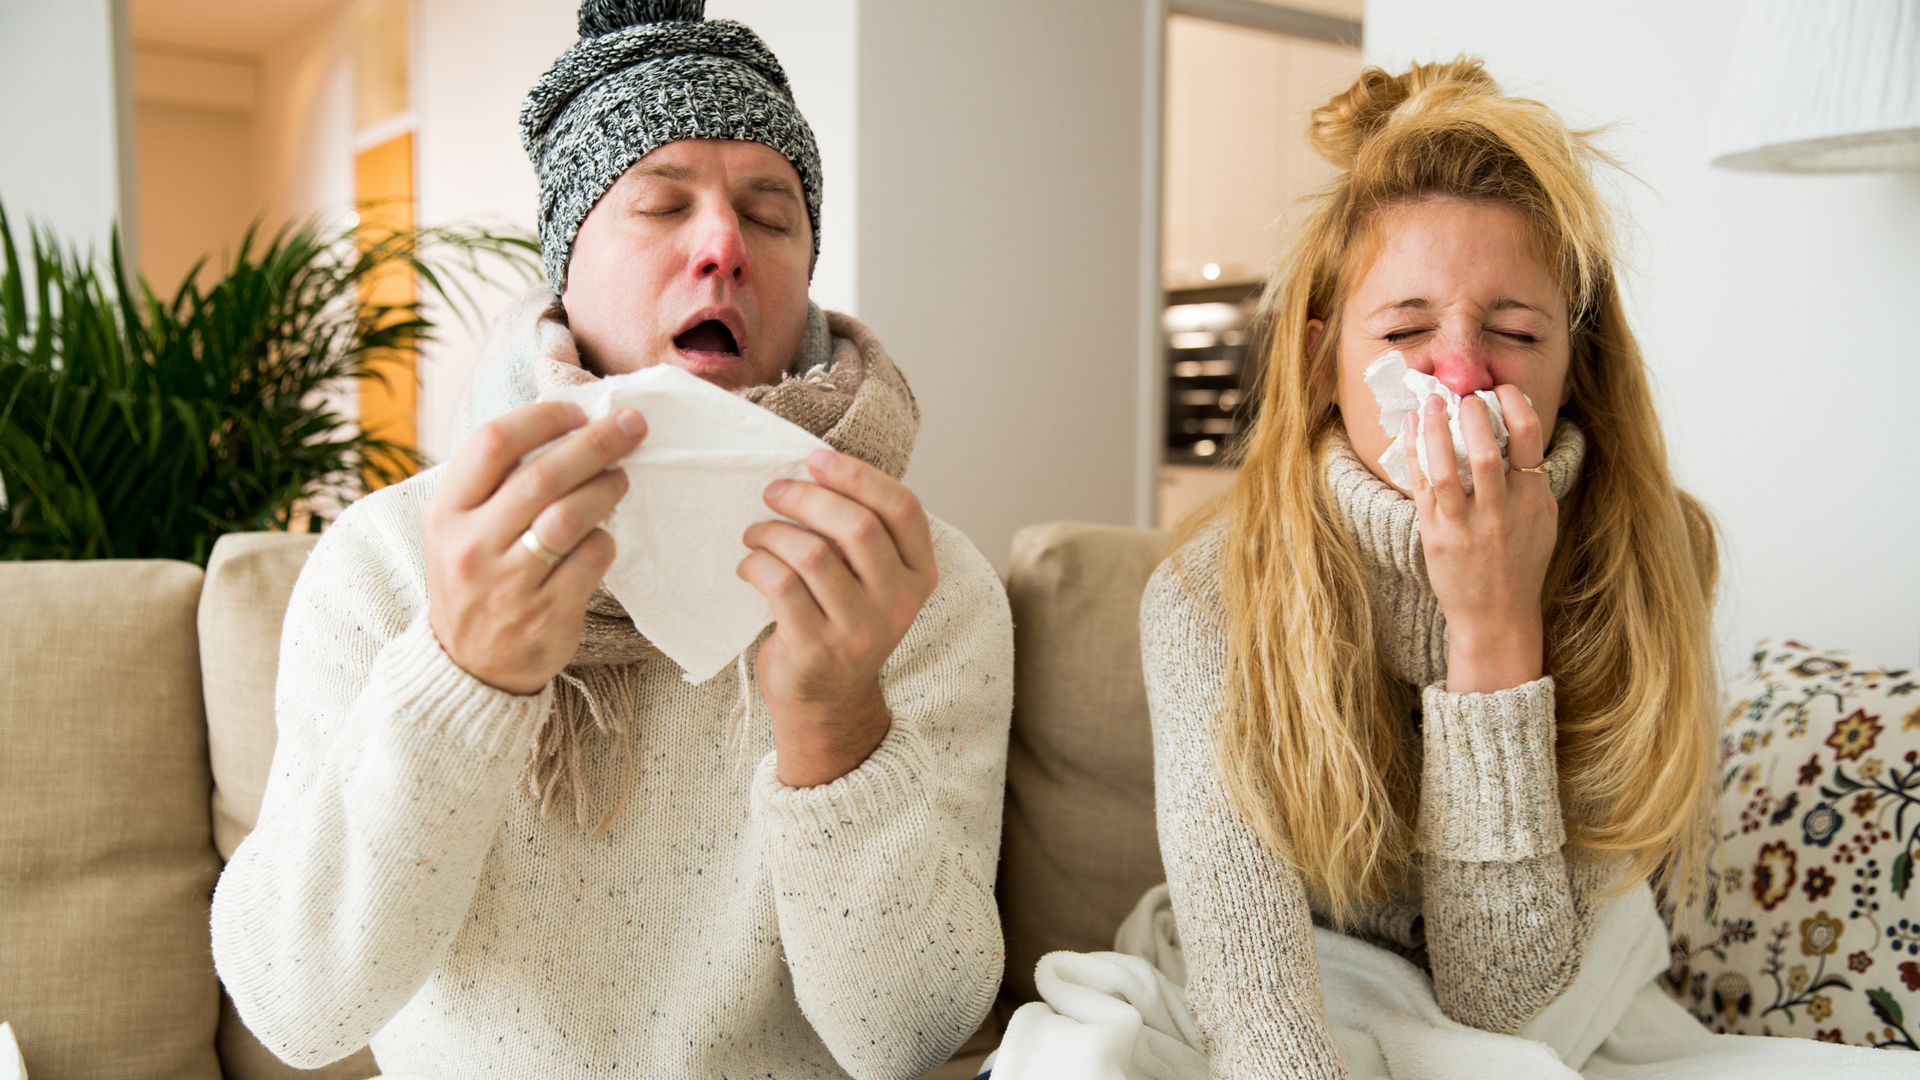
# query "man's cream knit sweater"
(1501, 913)
(400, 888)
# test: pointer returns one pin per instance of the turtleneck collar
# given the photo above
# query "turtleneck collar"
(1385, 525)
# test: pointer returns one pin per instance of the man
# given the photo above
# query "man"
(502, 835)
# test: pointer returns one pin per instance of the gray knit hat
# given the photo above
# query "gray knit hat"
(646, 73)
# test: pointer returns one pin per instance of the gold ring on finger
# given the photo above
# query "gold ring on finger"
(1540, 469)
(540, 551)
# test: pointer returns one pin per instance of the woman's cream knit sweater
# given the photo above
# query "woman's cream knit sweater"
(401, 888)
(1500, 914)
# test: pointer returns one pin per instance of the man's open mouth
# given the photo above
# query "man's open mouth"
(711, 336)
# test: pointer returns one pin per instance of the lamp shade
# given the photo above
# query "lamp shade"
(1822, 86)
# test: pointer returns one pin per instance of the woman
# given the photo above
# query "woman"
(1448, 719)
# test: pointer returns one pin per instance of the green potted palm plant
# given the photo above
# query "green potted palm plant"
(133, 426)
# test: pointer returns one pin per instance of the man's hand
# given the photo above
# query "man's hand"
(1488, 552)
(496, 607)
(843, 595)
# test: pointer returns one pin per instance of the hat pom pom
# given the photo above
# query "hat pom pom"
(600, 17)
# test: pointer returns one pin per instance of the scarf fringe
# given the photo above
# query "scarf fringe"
(593, 707)
(592, 712)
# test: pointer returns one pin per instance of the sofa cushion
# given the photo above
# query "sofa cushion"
(1080, 844)
(108, 865)
(249, 579)
(1812, 927)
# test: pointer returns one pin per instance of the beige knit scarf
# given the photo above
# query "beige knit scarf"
(844, 389)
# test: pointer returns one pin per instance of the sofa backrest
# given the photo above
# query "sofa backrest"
(108, 864)
(1080, 844)
(249, 579)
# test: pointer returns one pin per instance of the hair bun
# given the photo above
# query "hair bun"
(1342, 126)
(601, 17)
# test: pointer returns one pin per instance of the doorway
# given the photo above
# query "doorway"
(1239, 81)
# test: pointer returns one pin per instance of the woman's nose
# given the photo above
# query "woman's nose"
(1461, 367)
(721, 251)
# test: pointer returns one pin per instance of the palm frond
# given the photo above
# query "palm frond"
(133, 426)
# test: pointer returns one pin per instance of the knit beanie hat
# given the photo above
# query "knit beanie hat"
(646, 73)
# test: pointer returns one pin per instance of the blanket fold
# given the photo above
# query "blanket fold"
(1123, 1015)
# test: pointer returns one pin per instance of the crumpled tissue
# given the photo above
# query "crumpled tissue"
(697, 481)
(1401, 390)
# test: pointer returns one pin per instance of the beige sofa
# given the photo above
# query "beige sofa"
(136, 729)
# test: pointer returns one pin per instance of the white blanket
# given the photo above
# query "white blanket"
(12, 1065)
(1123, 1016)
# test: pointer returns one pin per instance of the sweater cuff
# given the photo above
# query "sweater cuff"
(1489, 787)
(424, 689)
(891, 785)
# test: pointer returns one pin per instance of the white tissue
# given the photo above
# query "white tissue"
(697, 481)
(1401, 390)
(12, 1065)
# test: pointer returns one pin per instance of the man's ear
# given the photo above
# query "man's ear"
(1314, 326)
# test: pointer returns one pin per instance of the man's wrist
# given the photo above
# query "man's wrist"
(818, 742)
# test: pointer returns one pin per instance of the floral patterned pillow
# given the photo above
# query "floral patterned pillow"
(1809, 925)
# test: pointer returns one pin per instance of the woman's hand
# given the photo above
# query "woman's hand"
(844, 590)
(495, 606)
(1488, 552)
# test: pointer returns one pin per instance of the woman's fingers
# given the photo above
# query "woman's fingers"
(1526, 436)
(576, 459)
(495, 449)
(1442, 476)
(1483, 450)
(567, 520)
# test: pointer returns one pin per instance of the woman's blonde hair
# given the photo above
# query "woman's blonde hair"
(1314, 742)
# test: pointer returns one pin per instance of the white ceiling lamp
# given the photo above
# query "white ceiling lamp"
(1822, 86)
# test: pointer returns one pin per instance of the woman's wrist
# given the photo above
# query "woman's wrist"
(1499, 656)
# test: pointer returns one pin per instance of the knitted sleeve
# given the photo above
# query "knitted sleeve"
(1253, 982)
(389, 780)
(884, 878)
(1507, 914)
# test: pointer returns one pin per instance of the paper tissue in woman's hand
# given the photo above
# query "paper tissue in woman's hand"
(1401, 390)
(697, 481)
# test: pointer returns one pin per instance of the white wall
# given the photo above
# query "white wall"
(303, 126)
(1003, 193)
(473, 62)
(1776, 311)
(66, 124)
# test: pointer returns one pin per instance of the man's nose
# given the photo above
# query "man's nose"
(722, 250)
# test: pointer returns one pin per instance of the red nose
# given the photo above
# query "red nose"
(721, 252)
(1462, 373)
